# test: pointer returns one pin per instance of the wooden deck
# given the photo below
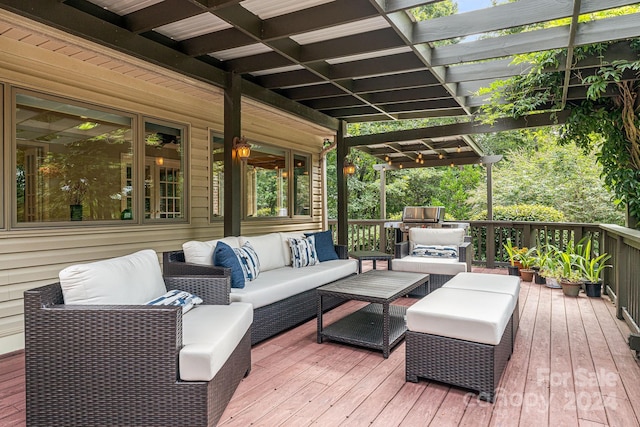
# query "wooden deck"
(571, 366)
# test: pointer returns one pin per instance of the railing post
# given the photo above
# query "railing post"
(621, 282)
(491, 245)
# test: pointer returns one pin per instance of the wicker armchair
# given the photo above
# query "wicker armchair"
(96, 365)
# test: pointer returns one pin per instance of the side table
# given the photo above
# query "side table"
(371, 256)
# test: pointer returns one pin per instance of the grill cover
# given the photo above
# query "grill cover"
(423, 214)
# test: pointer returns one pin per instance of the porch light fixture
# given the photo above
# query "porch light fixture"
(242, 147)
(348, 167)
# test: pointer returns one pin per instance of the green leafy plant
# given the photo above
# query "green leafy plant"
(592, 269)
(527, 257)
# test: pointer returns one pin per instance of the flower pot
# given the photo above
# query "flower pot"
(539, 280)
(75, 212)
(552, 283)
(570, 289)
(513, 270)
(526, 274)
(593, 290)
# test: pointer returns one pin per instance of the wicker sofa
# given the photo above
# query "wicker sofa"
(98, 364)
(440, 269)
(282, 296)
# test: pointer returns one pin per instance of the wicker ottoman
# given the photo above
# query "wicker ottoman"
(460, 337)
(500, 283)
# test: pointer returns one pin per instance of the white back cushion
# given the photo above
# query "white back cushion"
(197, 252)
(268, 247)
(130, 279)
(436, 236)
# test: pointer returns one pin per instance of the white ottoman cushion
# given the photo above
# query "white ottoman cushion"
(417, 264)
(498, 283)
(475, 316)
(129, 279)
(210, 333)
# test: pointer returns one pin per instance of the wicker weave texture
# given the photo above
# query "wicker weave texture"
(116, 366)
(466, 364)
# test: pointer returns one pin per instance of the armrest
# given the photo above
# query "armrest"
(212, 289)
(465, 254)
(117, 344)
(173, 264)
(342, 251)
(401, 249)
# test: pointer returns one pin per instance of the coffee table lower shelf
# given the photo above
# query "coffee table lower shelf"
(365, 328)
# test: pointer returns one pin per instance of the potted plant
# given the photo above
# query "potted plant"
(512, 252)
(569, 271)
(591, 269)
(527, 259)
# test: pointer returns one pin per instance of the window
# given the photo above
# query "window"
(217, 176)
(266, 183)
(69, 161)
(301, 185)
(163, 178)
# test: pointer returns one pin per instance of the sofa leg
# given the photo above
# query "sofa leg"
(487, 396)
(412, 378)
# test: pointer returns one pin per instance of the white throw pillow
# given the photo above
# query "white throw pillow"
(197, 252)
(286, 249)
(130, 279)
(178, 298)
(303, 252)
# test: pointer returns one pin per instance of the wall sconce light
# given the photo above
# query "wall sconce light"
(159, 161)
(242, 147)
(400, 165)
(348, 167)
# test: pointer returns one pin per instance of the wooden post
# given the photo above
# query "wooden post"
(341, 153)
(232, 164)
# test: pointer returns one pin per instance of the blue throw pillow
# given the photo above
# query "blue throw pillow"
(324, 245)
(225, 256)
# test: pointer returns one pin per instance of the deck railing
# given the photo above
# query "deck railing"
(622, 282)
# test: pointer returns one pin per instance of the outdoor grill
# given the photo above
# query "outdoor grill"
(423, 216)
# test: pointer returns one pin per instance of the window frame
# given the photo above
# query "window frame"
(216, 134)
(12, 146)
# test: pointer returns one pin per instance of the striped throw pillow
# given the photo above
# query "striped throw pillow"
(180, 298)
(303, 252)
(249, 261)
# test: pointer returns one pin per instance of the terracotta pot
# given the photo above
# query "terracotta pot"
(570, 289)
(526, 274)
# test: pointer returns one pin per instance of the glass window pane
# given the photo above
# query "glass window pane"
(267, 185)
(164, 163)
(301, 185)
(217, 176)
(72, 162)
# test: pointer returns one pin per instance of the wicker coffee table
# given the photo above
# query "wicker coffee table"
(379, 325)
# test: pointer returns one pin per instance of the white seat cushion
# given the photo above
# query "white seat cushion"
(129, 279)
(210, 333)
(464, 314)
(269, 250)
(197, 252)
(500, 283)
(281, 283)
(426, 265)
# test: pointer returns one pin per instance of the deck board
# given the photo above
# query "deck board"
(571, 366)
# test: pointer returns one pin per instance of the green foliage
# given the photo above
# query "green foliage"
(562, 177)
(524, 213)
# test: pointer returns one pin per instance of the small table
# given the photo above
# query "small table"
(371, 256)
(379, 325)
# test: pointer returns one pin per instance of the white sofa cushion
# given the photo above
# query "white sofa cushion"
(281, 283)
(210, 333)
(464, 314)
(198, 252)
(426, 265)
(129, 279)
(268, 247)
(435, 236)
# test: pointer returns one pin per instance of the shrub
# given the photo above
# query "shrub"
(524, 213)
